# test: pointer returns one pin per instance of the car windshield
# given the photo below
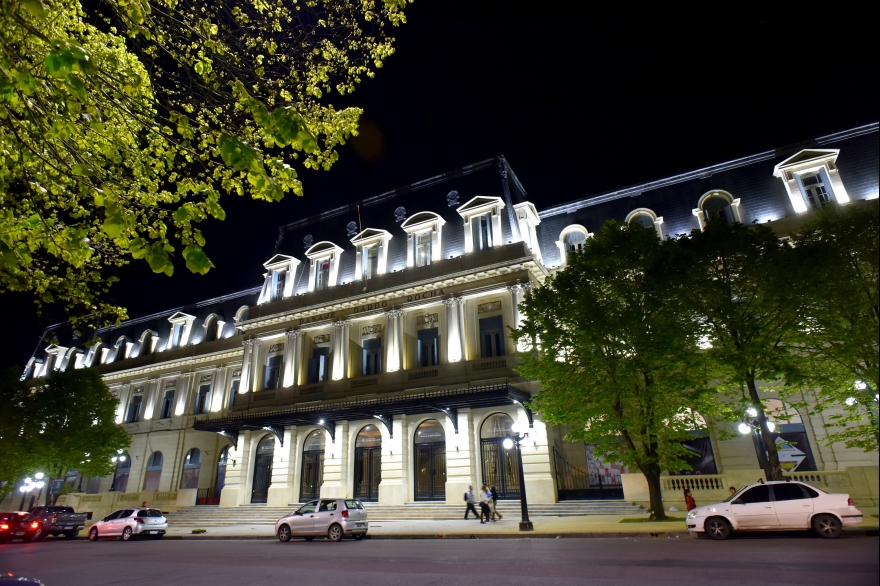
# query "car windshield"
(149, 513)
(308, 507)
(734, 495)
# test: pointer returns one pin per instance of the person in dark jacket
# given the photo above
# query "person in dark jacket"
(495, 512)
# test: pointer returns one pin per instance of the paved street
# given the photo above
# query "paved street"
(764, 560)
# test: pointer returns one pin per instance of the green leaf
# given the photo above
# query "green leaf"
(25, 82)
(35, 7)
(181, 214)
(196, 260)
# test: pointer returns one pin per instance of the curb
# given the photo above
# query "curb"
(525, 535)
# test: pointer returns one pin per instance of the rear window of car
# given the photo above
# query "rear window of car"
(149, 513)
(59, 510)
(353, 505)
(6, 516)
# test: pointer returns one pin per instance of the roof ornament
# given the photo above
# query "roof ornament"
(352, 228)
(307, 241)
(400, 214)
(452, 199)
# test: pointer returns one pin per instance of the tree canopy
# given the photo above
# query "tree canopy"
(68, 423)
(124, 122)
(617, 354)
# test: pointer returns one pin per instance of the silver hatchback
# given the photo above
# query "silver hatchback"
(128, 523)
(330, 518)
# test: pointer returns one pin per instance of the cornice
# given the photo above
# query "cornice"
(180, 363)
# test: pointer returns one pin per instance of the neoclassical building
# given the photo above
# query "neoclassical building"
(374, 361)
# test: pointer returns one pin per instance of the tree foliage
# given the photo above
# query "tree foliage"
(69, 423)
(617, 354)
(123, 124)
(841, 331)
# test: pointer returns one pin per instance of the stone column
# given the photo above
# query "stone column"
(246, 366)
(183, 393)
(454, 329)
(394, 343)
(517, 295)
(151, 398)
(281, 489)
(340, 350)
(218, 390)
(461, 461)
(540, 487)
(122, 407)
(394, 488)
(256, 382)
(291, 358)
(236, 472)
(336, 475)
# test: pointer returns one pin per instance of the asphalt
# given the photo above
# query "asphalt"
(767, 560)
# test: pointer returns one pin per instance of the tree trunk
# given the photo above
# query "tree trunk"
(652, 475)
(775, 471)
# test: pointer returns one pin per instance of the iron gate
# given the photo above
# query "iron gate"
(312, 475)
(367, 473)
(262, 478)
(430, 472)
(500, 468)
(576, 484)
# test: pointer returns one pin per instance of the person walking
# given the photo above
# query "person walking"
(485, 499)
(470, 500)
(495, 503)
(689, 500)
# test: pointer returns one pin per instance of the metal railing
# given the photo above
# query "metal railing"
(572, 483)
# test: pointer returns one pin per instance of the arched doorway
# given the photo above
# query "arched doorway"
(312, 466)
(221, 472)
(263, 469)
(368, 463)
(153, 472)
(430, 461)
(120, 475)
(500, 467)
(192, 465)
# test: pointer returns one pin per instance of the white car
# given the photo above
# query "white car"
(128, 523)
(776, 506)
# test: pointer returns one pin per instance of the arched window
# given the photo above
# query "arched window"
(147, 341)
(153, 472)
(312, 466)
(573, 239)
(430, 461)
(120, 475)
(647, 218)
(263, 459)
(497, 425)
(122, 348)
(240, 316)
(192, 464)
(368, 463)
(500, 466)
(717, 205)
(221, 472)
(212, 326)
(423, 238)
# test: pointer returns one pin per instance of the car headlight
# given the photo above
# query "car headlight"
(692, 515)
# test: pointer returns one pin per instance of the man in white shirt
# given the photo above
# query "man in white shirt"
(470, 500)
(485, 499)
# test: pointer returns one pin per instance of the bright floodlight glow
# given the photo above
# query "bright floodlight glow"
(321, 422)
(122, 458)
(771, 426)
(516, 427)
(507, 443)
(113, 459)
(40, 484)
(119, 451)
(22, 489)
(851, 401)
(752, 412)
(744, 428)
(38, 475)
(861, 385)
(28, 480)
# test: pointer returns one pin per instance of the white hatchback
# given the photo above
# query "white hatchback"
(128, 523)
(776, 506)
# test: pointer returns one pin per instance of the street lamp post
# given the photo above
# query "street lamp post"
(515, 442)
(750, 425)
(28, 487)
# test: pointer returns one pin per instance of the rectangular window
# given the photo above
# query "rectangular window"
(428, 348)
(481, 230)
(491, 337)
(278, 279)
(175, 335)
(370, 261)
(816, 191)
(372, 356)
(134, 409)
(167, 404)
(322, 278)
(203, 399)
(319, 365)
(272, 373)
(233, 390)
(423, 249)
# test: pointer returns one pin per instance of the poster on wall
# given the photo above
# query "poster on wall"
(599, 466)
(793, 448)
(700, 457)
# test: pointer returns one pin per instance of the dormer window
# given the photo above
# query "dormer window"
(527, 220)
(812, 179)
(647, 218)
(423, 238)
(324, 265)
(372, 253)
(181, 325)
(717, 205)
(572, 239)
(482, 223)
(279, 278)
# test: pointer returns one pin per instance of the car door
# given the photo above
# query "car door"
(122, 521)
(325, 516)
(106, 526)
(301, 522)
(753, 509)
(793, 506)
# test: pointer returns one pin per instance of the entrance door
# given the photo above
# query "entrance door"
(312, 467)
(430, 462)
(500, 468)
(368, 464)
(263, 470)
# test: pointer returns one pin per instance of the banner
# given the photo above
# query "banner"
(793, 448)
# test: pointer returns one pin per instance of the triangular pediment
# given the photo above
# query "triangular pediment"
(807, 155)
(479, 202)
(278, 259)
(180, 316)
(369, 234)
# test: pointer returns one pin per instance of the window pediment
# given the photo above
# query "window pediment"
(806, 156)
(322, 249)
(370, 235)
(480, 204)
(180, 317)
(422, 220)
(812, 179)
(281, 261)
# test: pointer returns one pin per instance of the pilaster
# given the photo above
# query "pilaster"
(281, 490)
(336, 464)
(394, 488)
(460, 458)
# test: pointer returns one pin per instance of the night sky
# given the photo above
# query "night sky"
(579, 103)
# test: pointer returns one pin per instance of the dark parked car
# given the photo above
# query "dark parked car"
(59, 520)
(20, 526)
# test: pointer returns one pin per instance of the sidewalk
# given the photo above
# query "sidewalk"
(545, 527)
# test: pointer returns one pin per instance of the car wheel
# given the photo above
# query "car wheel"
(39, 535)
(335, 533)
(70, 535)
(310, 538)
(126, 534)
(93, 534)
(718, 528)
(827, 526)
(284, 533)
